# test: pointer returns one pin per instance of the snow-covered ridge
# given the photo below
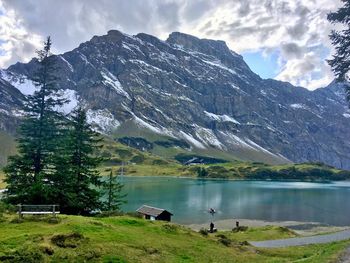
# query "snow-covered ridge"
(67, 63)
(221, 118)
(111, 80)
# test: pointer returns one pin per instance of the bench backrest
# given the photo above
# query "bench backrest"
(38, 208)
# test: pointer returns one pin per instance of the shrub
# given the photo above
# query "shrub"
(240, 229)
(71, 240)
(25, 254)
(137, 159)
(224, 240)
(170, 228)
(203, 231)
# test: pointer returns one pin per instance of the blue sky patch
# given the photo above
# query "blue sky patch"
(264, 66)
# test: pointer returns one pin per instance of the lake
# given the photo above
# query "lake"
(190, 199)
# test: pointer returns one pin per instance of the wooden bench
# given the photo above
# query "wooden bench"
(37, 210)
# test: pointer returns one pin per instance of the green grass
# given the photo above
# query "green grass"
(127, 239)
(261, 171)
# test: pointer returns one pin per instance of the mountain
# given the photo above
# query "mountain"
(193, 90)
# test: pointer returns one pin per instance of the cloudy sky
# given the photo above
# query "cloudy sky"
(281, 39)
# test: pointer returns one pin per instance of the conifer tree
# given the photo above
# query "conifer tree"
(113, 193)
(77, 177)
(28, 173)
(341, 40)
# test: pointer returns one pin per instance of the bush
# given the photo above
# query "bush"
(25, 254)
(170, 228)
(113, 161)
(224, 240)
(240, 229)
(137, 159)
(71, 240)
(203, 231)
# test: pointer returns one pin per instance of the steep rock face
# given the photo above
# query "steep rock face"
(200, 91)
(11, 103)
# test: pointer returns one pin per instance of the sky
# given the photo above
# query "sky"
(280, 39)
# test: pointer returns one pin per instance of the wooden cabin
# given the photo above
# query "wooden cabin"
(154, 213)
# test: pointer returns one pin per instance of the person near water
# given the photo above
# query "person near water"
(211, 227)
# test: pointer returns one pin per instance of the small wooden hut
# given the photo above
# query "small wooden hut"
(154, 213)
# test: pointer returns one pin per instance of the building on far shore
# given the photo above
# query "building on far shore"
(154, 213)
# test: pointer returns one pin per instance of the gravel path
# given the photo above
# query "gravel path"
(300, 241)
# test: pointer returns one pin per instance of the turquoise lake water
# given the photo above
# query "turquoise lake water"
(190, 199)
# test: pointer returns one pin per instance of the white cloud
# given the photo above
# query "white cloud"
(297, 29)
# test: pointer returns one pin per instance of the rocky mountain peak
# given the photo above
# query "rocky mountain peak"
(198, 91)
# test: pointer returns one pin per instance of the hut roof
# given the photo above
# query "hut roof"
(152, 211)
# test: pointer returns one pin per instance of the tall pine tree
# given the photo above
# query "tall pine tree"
(77, 178)
(113, 193)
(341, 40)
(29, 173)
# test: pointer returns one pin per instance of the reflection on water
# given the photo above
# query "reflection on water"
(190, 199)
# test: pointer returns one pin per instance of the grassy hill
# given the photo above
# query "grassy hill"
(167, 160)
(128, 239)
(130, 129)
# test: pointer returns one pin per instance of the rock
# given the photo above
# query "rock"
(199, 91)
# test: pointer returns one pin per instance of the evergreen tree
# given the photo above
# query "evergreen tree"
(341, 40)
(113, 195)
(77, 178)
(28, 173)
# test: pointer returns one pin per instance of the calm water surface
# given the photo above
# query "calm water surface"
(190, 199)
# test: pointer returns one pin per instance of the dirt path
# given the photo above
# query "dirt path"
(301, 241)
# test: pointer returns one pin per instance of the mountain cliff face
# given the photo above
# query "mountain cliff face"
(196, 90)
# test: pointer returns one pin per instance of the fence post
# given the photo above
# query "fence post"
(20, 211)
(54, 210)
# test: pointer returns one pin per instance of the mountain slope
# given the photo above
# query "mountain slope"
(198, 91)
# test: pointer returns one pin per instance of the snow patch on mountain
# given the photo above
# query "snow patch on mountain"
(221, 118)
(147, 68)
(143, 124)
(67, 63)
(299, 106)
(208, 137)
(234, 139)
(84, 58)
(258, 147)
(72, 97)
(21, 82)
(111, 80)
(189, 138)
(102, 120)
(218, 64)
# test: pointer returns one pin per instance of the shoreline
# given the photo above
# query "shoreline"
(299, 227)
(235, 179)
